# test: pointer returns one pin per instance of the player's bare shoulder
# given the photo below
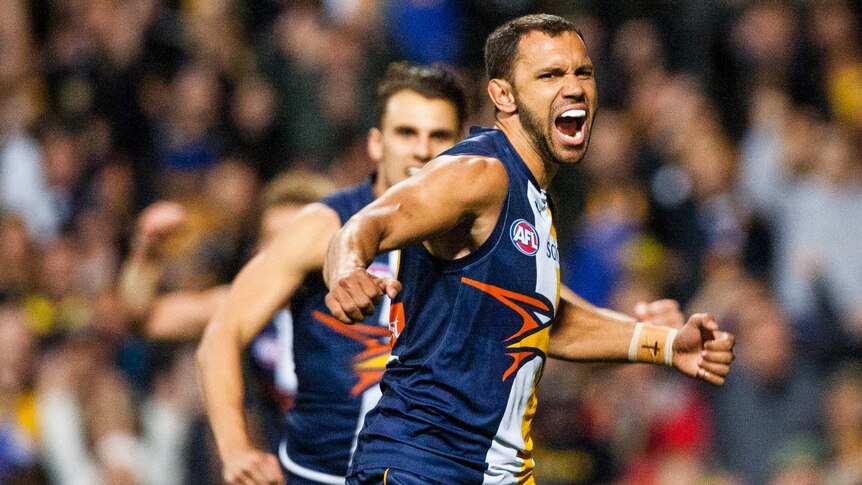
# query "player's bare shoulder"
(302, 240)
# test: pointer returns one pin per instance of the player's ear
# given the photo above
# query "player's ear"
(502, 94)
(375, 145)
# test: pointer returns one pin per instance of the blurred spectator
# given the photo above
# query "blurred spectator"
(427, 31)
(60, 304)
(89, 425)
(18, 266)
(189, 140)
(770, 405)
(611, 237)
(23, 184)
(836, 36)
(19, 456)
(254, 131)
(843, 414)
(806, 178)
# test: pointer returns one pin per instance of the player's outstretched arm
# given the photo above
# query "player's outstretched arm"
(583, 332)
(452, 204)
(260, 289)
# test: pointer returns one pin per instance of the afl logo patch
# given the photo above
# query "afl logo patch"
(525, 237)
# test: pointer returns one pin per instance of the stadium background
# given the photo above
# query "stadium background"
(724, 171)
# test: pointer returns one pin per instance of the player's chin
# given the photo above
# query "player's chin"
(569, 150)
(570, 155)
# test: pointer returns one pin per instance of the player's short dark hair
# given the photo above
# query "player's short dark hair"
(501, 47)
(433, 82)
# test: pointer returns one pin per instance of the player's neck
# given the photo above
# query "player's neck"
(543, 170)
(379, 185)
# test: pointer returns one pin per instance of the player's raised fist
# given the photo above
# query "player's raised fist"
(356, 295)
(702, 351)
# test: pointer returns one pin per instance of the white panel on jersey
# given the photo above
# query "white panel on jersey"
(504, 464)
(547, 259)
(285, 368)
(369, 400)
(385, 271)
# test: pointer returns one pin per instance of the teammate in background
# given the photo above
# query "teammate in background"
(483, 306)
(420, 113)
(181, 315)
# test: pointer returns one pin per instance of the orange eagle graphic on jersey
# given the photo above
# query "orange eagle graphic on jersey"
(369, 364)
(532, 339)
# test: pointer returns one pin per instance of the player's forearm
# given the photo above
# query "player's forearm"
(183, 315)
(218, 359)
(585, 333)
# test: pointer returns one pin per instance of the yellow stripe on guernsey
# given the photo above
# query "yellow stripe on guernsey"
(509, 457)
(395, 262)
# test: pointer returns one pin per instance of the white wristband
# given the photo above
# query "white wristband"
(633, 345)
(668, 347)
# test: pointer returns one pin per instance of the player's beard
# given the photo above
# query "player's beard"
(541, 138)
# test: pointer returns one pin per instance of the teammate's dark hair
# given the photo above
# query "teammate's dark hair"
(434, 82)
(501, 48)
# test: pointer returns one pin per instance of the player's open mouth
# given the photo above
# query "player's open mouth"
(411, 171)
(571, 125)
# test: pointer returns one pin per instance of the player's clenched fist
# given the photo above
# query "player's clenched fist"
(253, 467)
(703, 351)
(353, 297)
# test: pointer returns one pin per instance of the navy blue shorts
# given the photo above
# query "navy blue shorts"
(389, 476)
(297, 480)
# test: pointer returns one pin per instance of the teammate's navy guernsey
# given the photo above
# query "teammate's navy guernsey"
(472, 335)
(338, 367)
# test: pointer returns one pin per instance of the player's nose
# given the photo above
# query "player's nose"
(572, 87)
(423, 149)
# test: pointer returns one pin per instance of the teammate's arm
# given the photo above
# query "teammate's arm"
(183, 314)
(583, 332)
(260, 289)
(143, 268)
(459, 197)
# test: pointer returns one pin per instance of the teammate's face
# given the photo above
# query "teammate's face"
(413, 130)
(555, 93)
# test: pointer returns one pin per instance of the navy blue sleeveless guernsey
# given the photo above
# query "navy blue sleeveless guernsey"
(338, 367)
(459, 391)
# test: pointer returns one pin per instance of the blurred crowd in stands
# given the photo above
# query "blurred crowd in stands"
(725, 170)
